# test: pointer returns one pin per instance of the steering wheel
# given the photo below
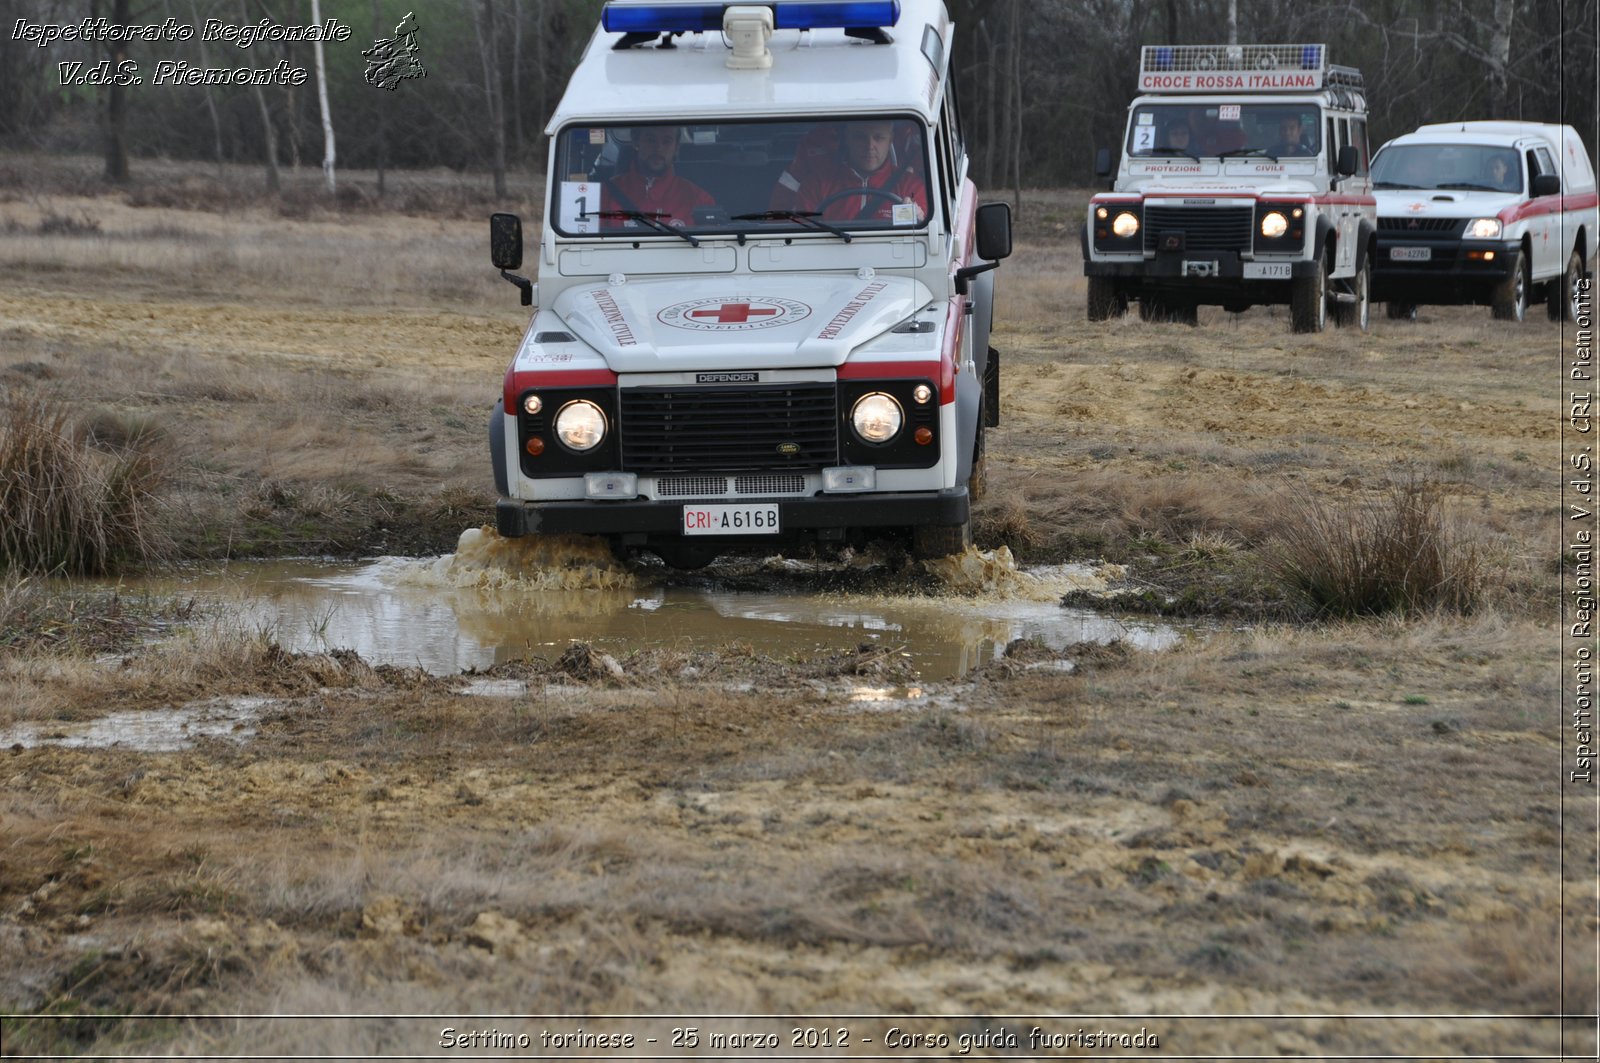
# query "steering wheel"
(864, 190)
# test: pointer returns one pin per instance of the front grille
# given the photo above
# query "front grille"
(691, 486)
(1204, 228)
(769, 483)
(732, 429)
(1421, 225)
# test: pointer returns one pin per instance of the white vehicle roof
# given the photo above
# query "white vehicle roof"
(813, 71)
(1562, 140)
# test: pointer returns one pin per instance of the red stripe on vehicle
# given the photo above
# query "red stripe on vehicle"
(518, 381)
(1549, 205)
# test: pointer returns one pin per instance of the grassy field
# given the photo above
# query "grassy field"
(1293, 820)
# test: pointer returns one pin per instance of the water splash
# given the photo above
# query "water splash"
(485, 560)
(994, 574)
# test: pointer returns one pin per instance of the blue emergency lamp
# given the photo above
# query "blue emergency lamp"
(664, 16)
(1311, 57)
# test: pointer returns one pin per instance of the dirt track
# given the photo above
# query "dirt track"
(1310, 821)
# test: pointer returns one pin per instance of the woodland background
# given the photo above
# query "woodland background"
(1042, 82)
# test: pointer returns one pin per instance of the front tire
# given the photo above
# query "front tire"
(1400, 311)
(940, 540)
(1510, 299)
(1561, 303)
(1105, 302)
(1358, 313)
(1308, 300)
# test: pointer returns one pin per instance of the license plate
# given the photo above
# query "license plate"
(1199, 269)
(1410, 254)
(1276, 271)
(761, 519)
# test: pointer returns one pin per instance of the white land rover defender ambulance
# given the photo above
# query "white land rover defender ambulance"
(764, 298)
(1484, 212)
(1243, 181)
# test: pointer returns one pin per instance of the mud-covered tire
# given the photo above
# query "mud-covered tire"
(1358, 313)
(1400, 311)
(929, 541)
(1561, 301)
(1308, 301)
(1105, 302)
(497, 448)
(978, 481)
(1510, 299)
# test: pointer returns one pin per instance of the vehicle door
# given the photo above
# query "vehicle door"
(1544, 222)
(1347, 211)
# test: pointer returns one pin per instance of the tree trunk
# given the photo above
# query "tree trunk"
(1500, 58)
(322, 102)
(489, 54)
(117, 103)
(269, 134)
(378, 34)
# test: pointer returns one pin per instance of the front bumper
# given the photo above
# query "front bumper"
(1219, 279)
(1454, 272)
(830, 516)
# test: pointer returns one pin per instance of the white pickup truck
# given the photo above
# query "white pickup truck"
(1496, 213)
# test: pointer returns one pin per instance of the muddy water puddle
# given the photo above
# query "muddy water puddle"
(495, 600)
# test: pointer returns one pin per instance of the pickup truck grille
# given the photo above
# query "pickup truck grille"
(1204, 228)
(733, 429)
(1421, 225)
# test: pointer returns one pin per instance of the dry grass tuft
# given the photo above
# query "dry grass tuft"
(1398, 552)
(67, 506)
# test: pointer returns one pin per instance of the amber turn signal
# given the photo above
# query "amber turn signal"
(534, 446)
(923, 436)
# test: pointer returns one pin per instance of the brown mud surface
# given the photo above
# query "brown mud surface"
(1293, 838)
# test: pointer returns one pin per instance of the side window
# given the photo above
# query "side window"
(1533, 165)
(1547, 162)
(951, 170)
(1358, 137)
(1331, 143)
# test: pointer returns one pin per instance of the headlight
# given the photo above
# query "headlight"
(1274, 225)
(1484, 228)
(876, 417)
(1125, 225)
(580, 425)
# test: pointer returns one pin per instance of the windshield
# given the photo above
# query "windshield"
(1467, 167)
(696, 179)
(1202, 130)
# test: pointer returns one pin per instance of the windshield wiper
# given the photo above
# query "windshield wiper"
(1168, 149)
(1247, 151)
(1468, 186)
(1395, 184)
(804, 217)
(652, 220)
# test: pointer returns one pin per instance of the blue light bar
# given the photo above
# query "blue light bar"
(661, 18)
(834, 14)
(667, 16)
(1310, 57)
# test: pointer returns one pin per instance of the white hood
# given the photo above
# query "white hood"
(1442, 203)
(736, 322)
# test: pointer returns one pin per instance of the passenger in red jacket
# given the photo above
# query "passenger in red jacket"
(650, 186)
(870, 159)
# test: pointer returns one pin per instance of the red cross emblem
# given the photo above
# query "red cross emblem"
(734, 313)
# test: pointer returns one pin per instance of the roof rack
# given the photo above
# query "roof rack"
(1247, 67)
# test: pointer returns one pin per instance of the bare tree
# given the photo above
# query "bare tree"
(489, 53)
(322, 100)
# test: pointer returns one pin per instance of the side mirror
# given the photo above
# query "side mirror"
(505, 241)
(1546, 184)
(993, 240)
(994, 231)
(1102, 162)
(1348, 162)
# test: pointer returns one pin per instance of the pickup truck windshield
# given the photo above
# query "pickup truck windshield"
(748, 178)
(1462, 167)
(1209, 130)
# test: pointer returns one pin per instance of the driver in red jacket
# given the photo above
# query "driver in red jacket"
(868, 161)
(650, 185)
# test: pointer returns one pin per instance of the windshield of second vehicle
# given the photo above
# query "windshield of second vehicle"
(1466, 167)
(708, 178)
(1202, 130)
